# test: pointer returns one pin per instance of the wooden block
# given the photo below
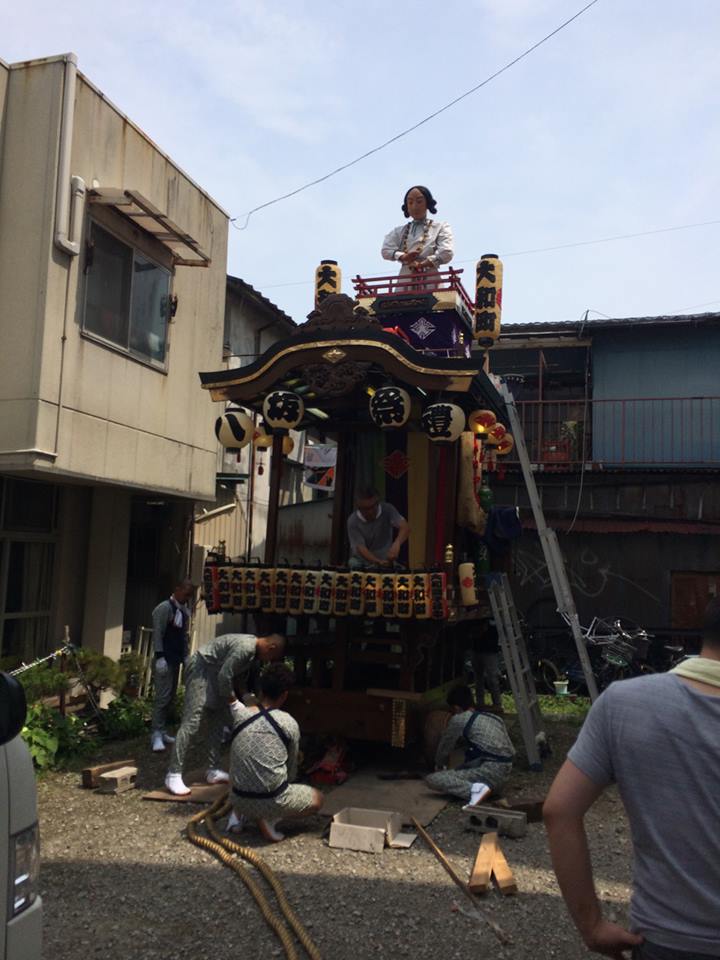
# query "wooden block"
(482, 869)
(118, 781)
(503, 875)
(91, 775)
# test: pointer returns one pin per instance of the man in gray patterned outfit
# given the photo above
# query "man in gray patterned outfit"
(263, 760)
(489, 751)
(170, 620)
(209, 688)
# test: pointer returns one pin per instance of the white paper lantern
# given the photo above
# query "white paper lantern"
(283, 410)
(234, 429)
(390, 407)
(443, 422)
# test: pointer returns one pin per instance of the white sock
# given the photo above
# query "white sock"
(477, 793)
(158, 744)
(217, 776)
(235, 823)
(175, 784)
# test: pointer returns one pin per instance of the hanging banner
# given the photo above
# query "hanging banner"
(319, 462)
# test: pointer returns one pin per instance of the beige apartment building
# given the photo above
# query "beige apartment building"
(112, 293)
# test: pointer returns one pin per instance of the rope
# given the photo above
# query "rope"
(223, 848)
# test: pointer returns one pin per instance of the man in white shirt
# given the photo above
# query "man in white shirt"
(371, 527)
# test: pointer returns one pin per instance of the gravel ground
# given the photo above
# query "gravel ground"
(120, 879)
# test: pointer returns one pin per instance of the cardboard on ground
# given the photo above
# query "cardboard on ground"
(368, 830)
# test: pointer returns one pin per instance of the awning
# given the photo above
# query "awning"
(185, 250)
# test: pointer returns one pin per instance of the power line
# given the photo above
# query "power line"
(562, 246)
(415, 126)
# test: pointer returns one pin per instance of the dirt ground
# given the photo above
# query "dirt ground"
(119, 878)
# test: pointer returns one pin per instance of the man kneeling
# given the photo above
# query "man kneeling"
(263, 760)
(488, 751)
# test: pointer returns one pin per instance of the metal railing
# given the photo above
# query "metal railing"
(672, 432)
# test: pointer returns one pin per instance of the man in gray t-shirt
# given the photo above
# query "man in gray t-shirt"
(658, 738)
(371, 531)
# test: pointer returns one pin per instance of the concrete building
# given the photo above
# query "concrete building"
(622, 423)
(112, 290)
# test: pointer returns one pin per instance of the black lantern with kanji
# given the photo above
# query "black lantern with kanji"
(390, 407)
(443, 421)
(283, 410)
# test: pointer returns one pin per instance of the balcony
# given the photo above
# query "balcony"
(651, 432)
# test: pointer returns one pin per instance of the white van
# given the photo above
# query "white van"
(20, 902)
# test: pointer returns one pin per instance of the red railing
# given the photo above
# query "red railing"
(649, 431)
(442, 280)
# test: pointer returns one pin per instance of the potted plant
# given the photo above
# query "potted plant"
(561, 686)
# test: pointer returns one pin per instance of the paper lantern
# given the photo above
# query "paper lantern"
(327, 593)
(266, 589)
(234, 429)
(468, 584)
(420, 588)
(371, 592)
(295, 592)
(282, 585)
(288, 446)
(443, 421)
(480, 421)
(403, 588)
(356, 594)
(505, 446)
(283, 409)
(438, 596)
(496, 433)
(390, 407)
(262, 440)
(488, 299)
(342, 593)
(388, 604)
(311, 592)
(328, 280)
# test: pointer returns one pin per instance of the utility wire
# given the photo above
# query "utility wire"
(415, 126)
(562, 246)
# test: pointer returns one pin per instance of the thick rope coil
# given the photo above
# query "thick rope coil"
(223, 848)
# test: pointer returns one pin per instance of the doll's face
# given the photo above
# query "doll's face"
(416, 204)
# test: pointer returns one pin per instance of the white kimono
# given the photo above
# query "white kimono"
(438, 246)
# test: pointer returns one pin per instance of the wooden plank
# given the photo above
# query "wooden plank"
(276, 467)
(502, 874)
(394, 694)
(91, 775)
(482, 868)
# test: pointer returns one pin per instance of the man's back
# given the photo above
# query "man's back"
(659, 739)
(260, 759)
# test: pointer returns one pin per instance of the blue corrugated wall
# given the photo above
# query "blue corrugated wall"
(672, 378)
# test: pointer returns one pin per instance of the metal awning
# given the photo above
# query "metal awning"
(139, 210)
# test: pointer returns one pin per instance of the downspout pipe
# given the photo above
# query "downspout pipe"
(70, 192)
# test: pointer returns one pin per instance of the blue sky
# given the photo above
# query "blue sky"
(612, 127)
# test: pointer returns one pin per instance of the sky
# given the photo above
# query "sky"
(611, 127)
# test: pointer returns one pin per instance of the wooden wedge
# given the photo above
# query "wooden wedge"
(482, 868)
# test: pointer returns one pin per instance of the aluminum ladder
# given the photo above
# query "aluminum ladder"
(550, 547)
(517, 663)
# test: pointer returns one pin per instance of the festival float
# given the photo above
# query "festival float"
(396, 377)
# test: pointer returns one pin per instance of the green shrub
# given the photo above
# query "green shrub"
(125, 718)
(45, 680)
(53, 739)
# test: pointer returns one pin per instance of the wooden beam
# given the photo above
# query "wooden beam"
(503, 874)
(276, 465)
(91, 775)
(341, 507)
(482, 868)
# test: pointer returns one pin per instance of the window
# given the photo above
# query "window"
(27, 549)
(127, 297)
